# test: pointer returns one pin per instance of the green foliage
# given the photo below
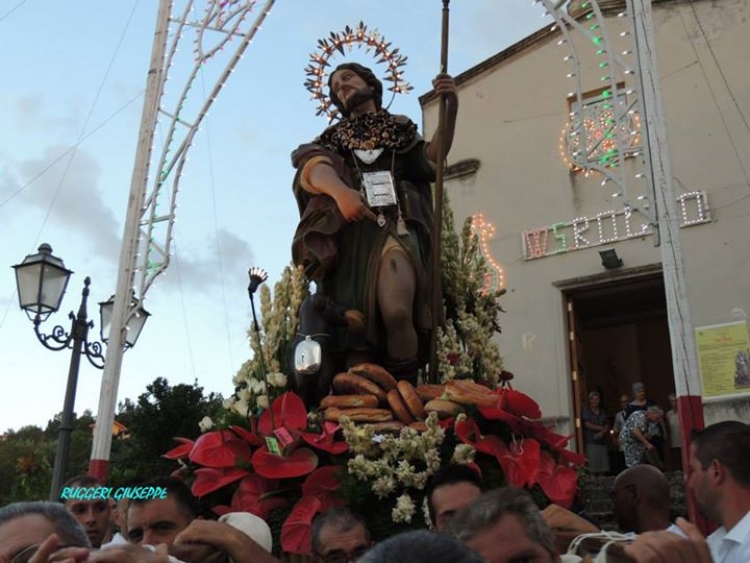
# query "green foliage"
(27, 456)
(466, 348)
(158, 415)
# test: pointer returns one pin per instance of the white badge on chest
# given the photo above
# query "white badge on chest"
(379, 188)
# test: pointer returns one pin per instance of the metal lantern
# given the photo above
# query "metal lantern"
(134, 325)
(42, 279)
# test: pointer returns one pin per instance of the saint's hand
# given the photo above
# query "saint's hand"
(352, 207)
(445, 85)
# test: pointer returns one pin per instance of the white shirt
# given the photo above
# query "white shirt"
(731, 546)
(117, 539)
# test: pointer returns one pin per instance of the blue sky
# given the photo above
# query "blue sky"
(71, 100)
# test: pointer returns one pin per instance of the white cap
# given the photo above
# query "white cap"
(252, 526)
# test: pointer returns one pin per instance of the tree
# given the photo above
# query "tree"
(158, 415)
(27, 456)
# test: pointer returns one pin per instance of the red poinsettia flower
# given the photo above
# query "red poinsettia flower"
(254, 495)
(490, 445)
(288, 412)
(323, 484)
(182, 451)
(521, 463)
(497, 413)
(519, 404)
(318, 495)
(221, 448)
(557, 442)
(210, 479)
(274, 466)
(251, 436)
(559, 483)
(447, 423)
(295, 533)
(326, 439)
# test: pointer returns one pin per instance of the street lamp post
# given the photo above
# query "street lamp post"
(42, 279)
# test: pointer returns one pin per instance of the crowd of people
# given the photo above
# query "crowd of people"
(640, 431)
(469, 523)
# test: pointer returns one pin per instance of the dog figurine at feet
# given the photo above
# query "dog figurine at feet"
(316, 355)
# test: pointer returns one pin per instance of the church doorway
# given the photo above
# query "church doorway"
(619, 335)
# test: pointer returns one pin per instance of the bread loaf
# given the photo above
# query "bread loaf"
(376, 374)
(358, 414)
(349, 383)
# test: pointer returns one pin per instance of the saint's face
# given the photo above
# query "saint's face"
(345, 82)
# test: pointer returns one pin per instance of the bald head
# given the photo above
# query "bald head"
(648, 478)
(642, 502)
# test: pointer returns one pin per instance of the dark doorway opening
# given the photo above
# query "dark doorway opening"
(619, 335)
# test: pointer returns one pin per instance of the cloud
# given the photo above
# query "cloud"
(27, 111)
(65, 184)
(223, 260)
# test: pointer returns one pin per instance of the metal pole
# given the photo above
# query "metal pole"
(79, 334)
(99, 464)
(437, 227)
(682, 337)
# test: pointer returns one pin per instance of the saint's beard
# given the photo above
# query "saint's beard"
(358, 98)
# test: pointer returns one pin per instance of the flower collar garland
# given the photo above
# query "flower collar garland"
(368, 132)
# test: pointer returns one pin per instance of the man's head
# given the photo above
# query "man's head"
(351, 85)
(719, 466)
(672, 400)
(641, 497)
(150, 522)
(452, 488)
(503, 526)
(639, 391)
(94, 514)
(421, 547)
(339, 536)
(624, 401)
(594, 399)
(27, 524)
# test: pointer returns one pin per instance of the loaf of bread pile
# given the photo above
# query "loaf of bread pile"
(368, 394)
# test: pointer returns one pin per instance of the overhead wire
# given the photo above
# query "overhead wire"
(13, 9)
(216, 229)
(71, 149)
(82, 137)
(711, 90)
(718, 66)
(184, 311)
(86, 122)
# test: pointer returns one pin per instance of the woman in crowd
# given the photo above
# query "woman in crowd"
(595, 431)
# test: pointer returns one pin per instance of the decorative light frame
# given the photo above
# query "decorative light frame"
(335, 42)
(484, 230)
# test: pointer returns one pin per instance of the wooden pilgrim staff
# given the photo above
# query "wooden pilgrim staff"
(437, 226)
